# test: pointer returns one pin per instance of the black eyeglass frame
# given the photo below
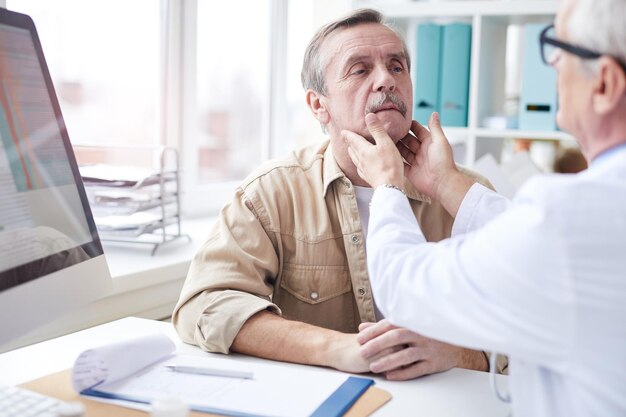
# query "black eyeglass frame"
(584, 53)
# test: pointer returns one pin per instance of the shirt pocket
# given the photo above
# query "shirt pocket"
(315, 284)
(318, 295)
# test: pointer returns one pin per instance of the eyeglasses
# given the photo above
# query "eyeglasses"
(549, 46)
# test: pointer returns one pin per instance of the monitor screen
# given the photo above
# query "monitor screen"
(48, 239)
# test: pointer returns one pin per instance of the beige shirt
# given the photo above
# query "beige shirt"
(290, 241)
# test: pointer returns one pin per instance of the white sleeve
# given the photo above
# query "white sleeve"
(479, 206)
(503, 288)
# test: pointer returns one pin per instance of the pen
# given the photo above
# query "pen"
(202, 370)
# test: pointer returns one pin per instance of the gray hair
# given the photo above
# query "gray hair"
(312, 74)
(599, 26)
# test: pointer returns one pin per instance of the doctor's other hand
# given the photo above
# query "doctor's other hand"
(430, 163)
(401, 354)
(378, 163)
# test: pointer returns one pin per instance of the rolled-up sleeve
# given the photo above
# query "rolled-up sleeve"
(230, 279)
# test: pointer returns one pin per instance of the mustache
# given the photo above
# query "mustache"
(384, 98)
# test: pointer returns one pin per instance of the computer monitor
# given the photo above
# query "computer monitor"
(51, 259)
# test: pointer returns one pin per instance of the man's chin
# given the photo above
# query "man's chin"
(396, 127)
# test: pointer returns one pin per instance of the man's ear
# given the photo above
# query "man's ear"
(317, 104)
(610, 87)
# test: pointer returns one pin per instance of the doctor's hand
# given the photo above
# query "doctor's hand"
(401, 354)
(376, 164)
(429, 157)
(430, 165)
(345, 355)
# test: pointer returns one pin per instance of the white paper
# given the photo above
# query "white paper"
(113, 362)
(276, 390)
(129, 370)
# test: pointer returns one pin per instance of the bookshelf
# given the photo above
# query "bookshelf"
(490, 20)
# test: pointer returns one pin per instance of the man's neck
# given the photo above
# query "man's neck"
(340, 152)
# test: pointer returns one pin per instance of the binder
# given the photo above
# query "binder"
(538, 100)
(427, 71)
(455, 73)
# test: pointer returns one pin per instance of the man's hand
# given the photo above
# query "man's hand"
(402, 354)
(345, 355)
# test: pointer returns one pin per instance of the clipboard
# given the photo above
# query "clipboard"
(59, 385)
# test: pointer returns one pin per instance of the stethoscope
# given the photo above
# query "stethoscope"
(504, 397)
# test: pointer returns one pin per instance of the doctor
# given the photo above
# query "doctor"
(541, 278)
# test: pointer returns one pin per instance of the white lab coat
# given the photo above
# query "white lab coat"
(541, 278)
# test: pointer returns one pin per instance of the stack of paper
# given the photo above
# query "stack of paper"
(129, 201)
(137, 372)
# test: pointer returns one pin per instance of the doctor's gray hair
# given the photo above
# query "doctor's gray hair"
(312, 74)
(599, 26)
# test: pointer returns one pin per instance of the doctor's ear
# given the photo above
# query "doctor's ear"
(317, 104)
(611, 85)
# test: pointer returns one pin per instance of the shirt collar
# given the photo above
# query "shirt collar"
(332, 171)
(608, 154)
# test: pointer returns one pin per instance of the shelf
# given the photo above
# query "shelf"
(429, 9)
(495, 65)
(522, 134)
(452, 133)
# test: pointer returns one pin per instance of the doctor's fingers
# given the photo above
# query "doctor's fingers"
(415, 370)
(373, 331)
(403, 358)
(365, 325)
(355, 141)
(420, 132)
(406, 153)
(395, 337)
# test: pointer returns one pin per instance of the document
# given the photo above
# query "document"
(140, 370)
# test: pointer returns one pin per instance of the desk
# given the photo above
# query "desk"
(457, 392)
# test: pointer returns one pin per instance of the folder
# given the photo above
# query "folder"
(537, 110)
(427, 71)
(455, 73)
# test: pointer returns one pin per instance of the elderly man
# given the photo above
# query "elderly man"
(283, 274)
(542, 278)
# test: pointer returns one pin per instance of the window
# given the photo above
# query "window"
(218, 80)
(105, 66)
(232, 87)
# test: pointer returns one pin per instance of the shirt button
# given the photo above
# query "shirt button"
(361, 291)
(314, 295)
(355, 238)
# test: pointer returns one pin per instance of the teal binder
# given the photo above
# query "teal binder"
(427, 71)
(455, 74)
(538, 99)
